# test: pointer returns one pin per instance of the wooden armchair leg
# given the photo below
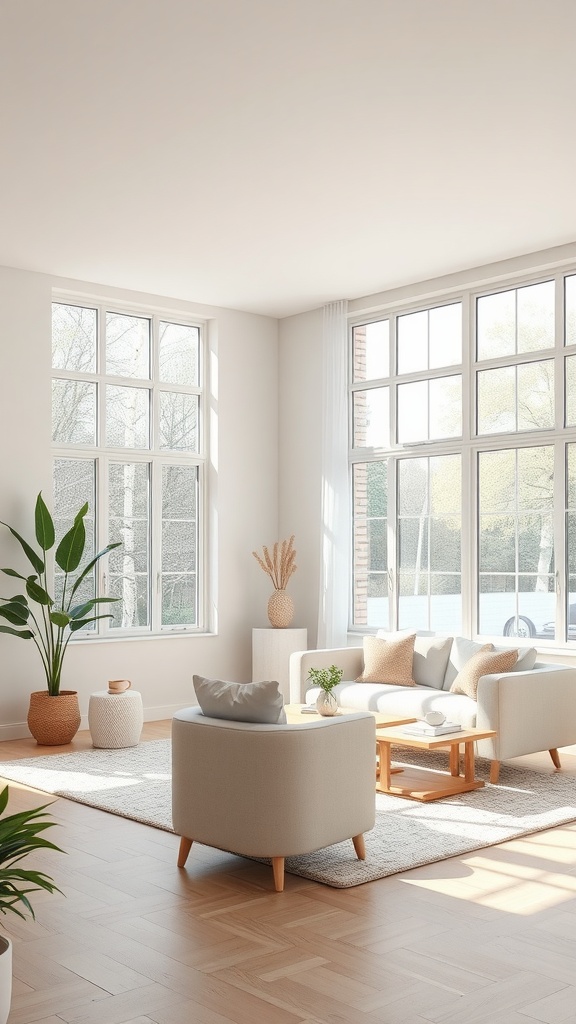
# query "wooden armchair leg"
(555, 759)
(278, 869)
(359, 846)
(494, 772)
(185, 846)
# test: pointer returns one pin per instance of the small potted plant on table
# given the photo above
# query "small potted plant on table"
(326, 679)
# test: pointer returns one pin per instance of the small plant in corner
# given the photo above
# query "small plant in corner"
(20, 836)
(326, 678)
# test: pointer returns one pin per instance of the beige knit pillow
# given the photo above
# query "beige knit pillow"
(388, 661)
(482, 664)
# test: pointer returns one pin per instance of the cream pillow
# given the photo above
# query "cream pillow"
(482, 664)
(461, 652)
(388, 661)
(431, 655)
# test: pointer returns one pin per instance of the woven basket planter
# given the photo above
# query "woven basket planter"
(280, 609)
(54, 721)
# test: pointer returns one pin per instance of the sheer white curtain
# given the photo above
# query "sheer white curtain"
(335, 514)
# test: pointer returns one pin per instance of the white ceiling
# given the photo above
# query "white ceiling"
(273, 155)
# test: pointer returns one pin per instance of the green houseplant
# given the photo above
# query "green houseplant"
(326, 679)
(36, 615)
(20, 835)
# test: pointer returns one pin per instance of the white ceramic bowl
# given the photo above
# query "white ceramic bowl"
(434, 718)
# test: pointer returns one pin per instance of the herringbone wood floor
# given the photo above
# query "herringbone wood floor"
(487, 937)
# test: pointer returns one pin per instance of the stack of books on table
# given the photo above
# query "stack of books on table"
(423, 729)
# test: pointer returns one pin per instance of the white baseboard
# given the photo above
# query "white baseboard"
(20, 730)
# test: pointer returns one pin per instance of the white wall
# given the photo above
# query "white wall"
(244, 478)
(300, 375)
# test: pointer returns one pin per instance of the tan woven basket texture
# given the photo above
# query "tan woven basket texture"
(54, 721)
(280, 609)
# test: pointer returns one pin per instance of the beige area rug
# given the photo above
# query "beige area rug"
(135, 783)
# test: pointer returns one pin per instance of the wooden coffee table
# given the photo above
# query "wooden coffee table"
(294, 716)
(418, 784)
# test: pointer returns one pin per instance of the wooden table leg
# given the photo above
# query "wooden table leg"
(384, 750)
(469, 761)
(455, 759)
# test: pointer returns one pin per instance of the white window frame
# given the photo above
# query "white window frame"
(103, 456)
(470, 443)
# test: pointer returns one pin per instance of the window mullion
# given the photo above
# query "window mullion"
(102, 536)
(155, 544)
(101, 387)
(202, 543)
(468, 368)
(393, 547)
(469, 533)
(559, 529)
(155, 498)
(559, 360)
(393, 390)
(154, 384)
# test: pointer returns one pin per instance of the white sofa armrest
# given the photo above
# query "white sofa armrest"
(530, 711)
(350, 659)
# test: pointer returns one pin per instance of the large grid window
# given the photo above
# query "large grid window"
(127, 438)
(463, 464)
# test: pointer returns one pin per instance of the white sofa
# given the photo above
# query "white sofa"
(532, 708)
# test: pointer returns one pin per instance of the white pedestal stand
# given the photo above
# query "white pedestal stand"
(271, 650)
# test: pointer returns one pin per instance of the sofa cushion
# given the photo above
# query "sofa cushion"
(482, 664)
(431, 656)
(241, 702)
(388, 661)
(430, 659)
(404, 701)
(461, 652)
(526, 658)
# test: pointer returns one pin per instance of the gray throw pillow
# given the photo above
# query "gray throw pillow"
(260, 702)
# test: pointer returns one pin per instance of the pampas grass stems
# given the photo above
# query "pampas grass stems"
(280, 565)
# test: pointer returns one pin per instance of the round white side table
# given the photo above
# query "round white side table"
(115, 719)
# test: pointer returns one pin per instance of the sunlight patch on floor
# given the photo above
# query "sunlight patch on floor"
(519, 881)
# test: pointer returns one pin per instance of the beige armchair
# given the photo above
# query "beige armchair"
(272, 790)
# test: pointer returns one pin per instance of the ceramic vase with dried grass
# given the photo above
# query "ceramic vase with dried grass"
(279, 566)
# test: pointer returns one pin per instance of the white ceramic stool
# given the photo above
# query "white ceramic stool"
(115, 719)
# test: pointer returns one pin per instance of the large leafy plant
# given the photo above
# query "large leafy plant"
(36, 615)
(19, 836)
